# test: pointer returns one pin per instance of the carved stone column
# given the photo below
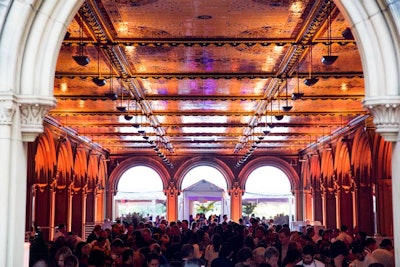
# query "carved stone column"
(172, 194)
(236, 193)
(323, 199)
(337, 192)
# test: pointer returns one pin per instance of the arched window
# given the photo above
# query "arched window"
(140, 192)
(203, 193)
(268, 195)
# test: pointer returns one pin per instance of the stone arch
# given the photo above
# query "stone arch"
(203, 161)
(64, 164)
(45, 158)
(342, 164)
(137, 161)
(327, 169)
(80, 168)
(361, 157)
(281, 164)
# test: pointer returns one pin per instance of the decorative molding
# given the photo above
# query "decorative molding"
(32, 116)
(236, 191)
(8, 106)
(386, 113)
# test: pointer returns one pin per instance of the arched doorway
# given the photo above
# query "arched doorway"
(204, 191)
(140, 197)
(268, 195)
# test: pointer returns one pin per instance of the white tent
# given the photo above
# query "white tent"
(202, 191)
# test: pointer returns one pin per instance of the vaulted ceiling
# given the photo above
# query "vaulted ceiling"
(188, 77)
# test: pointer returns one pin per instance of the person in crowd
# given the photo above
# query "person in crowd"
(271, 256)
(71, 261)
(384, 254)
(283, 243)
(293, 256)
(61, 231)
(244, 257)
(94, 234)
(97, 258)
(224, 257)
(362, 259)
(258, 255)
(370, 245)
(344, 235)
(212, 250)
(60, 256)
(339, 253)
(308, 259)
(127, 258)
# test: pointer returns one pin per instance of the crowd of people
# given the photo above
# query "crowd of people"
(198, 242)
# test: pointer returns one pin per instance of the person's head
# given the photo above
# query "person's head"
(71, 261)
(187, 251)
(97, 258)
(358, 252)
(153, 260)
(271, 256)
(310, 231)
(370, 244)
(284, 236)
(185, 224)
(308, 254)
(258, 255)
(127, 256)
(117, 246)
(386, 244)
(244, 255)
(61, 254)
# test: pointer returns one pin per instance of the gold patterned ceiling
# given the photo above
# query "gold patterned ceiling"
(187, 77)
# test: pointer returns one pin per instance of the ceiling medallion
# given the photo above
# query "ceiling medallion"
(135, 2)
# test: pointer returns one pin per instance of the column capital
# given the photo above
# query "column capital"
(386, 113)
(8, 106)
(32, 115)
(236, 190)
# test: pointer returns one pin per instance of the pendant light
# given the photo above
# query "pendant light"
(310, 81)
(271, 125)
(266, 131)
(128, 116)
(329, 59)
(279, 116)
(121, 107)
(81, 59)
(111, 95)
(99, 80)
(298, 95)
(287, 108)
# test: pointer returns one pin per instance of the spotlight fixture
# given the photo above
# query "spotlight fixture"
(99, 81)
(311, 81)
(121, 108)
(112, 96)
(287, 108)
(297, 96)
(128, 117)
(329, 60)
(81, 60)
(347, 34)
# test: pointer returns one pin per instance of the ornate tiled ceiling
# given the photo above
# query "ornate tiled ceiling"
(207, 77)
